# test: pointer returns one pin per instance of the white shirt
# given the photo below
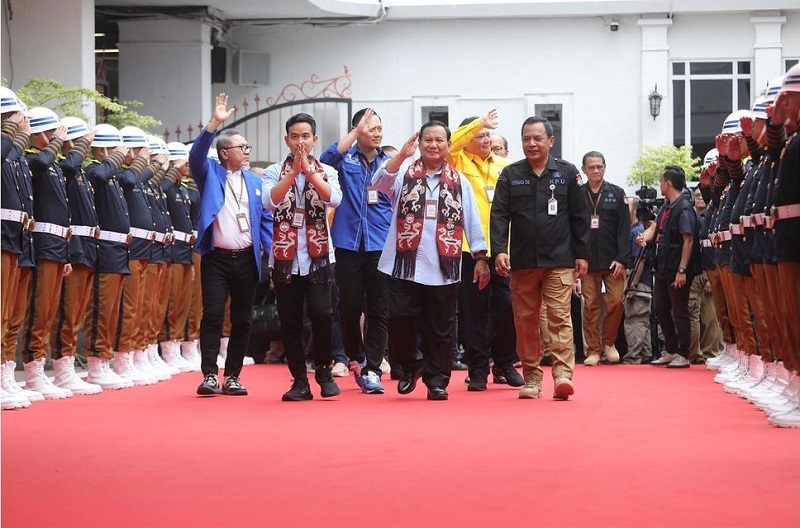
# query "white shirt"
(227, 234)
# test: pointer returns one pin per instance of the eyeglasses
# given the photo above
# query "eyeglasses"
(497, 148)
(245, 148)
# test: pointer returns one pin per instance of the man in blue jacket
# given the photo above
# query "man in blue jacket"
(233, 229)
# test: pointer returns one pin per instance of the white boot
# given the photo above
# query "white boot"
(142, 364)
(37, 380)
(101, 374)
(124, 367)
(157, 361)
(10, 400)
(223, 351)
(67, 378)
(10, 384)
(171, 354)
(191, 354)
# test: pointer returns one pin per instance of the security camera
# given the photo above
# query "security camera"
(614, 26)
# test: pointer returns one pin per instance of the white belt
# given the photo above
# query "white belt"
(183, 237)
(758, 219)
(706, 243)
(144, 234)
(747, 221)
(737, 229)
(785, 212)
(85, 231)
(53, 229)
(111, 236)
(13, 216)
(164, 238)
(724, 235)
(194, 234)
(769, 222)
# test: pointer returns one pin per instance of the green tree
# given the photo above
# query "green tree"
(647, 169)
(68, 101)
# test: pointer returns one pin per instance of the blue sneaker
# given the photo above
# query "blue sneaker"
(371, 383)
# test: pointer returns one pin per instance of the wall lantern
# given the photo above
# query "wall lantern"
(655, 102)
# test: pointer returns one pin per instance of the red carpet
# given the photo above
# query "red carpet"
(636, 446)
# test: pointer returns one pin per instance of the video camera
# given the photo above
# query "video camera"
(649, 203)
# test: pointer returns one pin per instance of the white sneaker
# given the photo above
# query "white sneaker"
(191, 353)
(123, 366)
(37, 380)
(100, 373)
(247, 360)
(9, 383)
(340, 370)
(171, 354)
(157, 361)
(67, 378)
(9, 401)
(385, 367)
(787, 419)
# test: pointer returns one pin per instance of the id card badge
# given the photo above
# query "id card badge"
(372, 195)
(489, 193)
(298, 217)
(244, 225)
(552, 207)
(594, 222)
(430, 208)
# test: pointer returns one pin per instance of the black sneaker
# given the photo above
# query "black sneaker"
(328, 386)
(510, 374)
(300, 391)
(233, 387)
(209, 387)
(498, 376)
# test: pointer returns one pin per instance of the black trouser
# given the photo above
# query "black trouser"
(434, 309)
(672, 310)
(317, 298)
(479, 308)
(362, 288)
(223, 275)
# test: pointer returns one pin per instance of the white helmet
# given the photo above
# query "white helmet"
(731, 124)
(157, 145)
(760, 107)
(76, 127)
(710, 157)
(177, 150)
(791, 81)
(773, 87)
(9, 101)
(134, 137)
(42, 119)
(213, 154)
(106, 135)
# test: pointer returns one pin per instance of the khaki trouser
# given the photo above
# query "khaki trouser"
(745, 335)
(75, 296)
(706, 333)
(152, 280)
(17, 313)
(162, 302)
(102, 320)
(637, 326)
(757, 305)
(720, 304)
(789, 277)
(45, 292)
(9, 266)
(530, 288)
(774, 287)
(133, 294)
(770, 322)
(180, 295)
(615, 290)
(196, 304)
(544, 337)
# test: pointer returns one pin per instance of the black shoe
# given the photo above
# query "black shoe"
(326, 382)
(408, 382)
(209, 387)
(300, 391)
(457, 365)
(476, 385)
(510, 374)
(498, 376)
(437, 393)
(397, 372)
(233, 387)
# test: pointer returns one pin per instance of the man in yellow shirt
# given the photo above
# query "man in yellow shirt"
(471, 154)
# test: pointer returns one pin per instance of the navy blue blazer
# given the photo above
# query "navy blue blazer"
(210, 178)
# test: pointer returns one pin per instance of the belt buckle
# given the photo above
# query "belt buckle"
(170, 238)
(68, 234)
(152, 236)
(96, 232)
(774, 212)
(191, 240)
(30, 223)
(129, 238)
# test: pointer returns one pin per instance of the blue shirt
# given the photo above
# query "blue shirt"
(647, 275)
(427, 270)
(356, 222)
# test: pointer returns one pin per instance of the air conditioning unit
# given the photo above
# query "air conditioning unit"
(251, 68)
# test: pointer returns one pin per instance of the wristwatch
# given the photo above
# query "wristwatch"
(682, 270)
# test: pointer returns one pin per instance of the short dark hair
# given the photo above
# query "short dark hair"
(358, 115)
(593, 154)
(301, 118)
(468, 120)
(433, 123)
(548, 126)
(224, 138)
(675, 175)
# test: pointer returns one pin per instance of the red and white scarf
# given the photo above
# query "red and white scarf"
(284, 234)
(411, 218)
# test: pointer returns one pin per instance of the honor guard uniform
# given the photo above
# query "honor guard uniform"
(51, 234)
(77, 288)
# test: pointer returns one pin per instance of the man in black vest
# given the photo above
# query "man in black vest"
(677, 264)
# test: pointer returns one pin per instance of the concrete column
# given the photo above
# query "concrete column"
(166, 64)
(767, 51)
(655, 71)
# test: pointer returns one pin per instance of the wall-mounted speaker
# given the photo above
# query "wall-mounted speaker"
(250, 68)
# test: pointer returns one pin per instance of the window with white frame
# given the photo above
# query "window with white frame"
(704, 93)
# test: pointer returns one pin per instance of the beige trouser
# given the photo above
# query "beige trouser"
(706, 332)
(530, 288)
(591, 285)
(718, 295)
(637, 325)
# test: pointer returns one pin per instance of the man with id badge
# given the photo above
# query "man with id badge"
(540, 206)
(609, 246)
(233, 229)
(471, 154)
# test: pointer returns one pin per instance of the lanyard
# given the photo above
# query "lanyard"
(241, 192)
(595, 203)
(480, 169)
